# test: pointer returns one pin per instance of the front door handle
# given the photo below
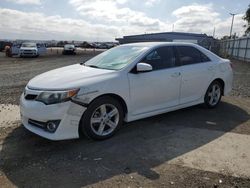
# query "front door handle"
(176, 74)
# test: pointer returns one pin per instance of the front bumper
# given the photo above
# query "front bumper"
(28, 53)
(69, 51)
(68, 113)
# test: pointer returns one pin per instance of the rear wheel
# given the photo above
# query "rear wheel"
(102, 119)
(213, 95)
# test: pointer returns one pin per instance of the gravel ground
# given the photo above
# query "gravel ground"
(193, 147)
(16, 72)
(241, 85)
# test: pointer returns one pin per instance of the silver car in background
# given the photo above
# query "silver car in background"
(28, 49)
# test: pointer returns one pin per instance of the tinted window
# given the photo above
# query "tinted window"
(161, 58)
(190, 55)
(204, 58)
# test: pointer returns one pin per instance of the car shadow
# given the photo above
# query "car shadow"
(28, 160)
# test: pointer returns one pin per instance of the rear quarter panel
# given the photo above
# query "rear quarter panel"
(224, 72)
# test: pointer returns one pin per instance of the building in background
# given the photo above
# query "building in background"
(202, 39)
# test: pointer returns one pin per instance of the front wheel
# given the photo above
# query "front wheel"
(102, 118)
(213, 95)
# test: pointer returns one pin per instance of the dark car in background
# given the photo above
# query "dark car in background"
(69, 49)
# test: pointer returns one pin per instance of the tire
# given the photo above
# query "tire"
(213, 95)
(98, 123)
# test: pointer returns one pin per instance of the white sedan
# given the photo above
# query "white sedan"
(125, 83)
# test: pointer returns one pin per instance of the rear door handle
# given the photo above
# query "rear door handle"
(176, 74)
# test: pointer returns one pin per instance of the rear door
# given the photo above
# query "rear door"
(197, 72)
(158, 89)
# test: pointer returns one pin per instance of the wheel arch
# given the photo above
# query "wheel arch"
(115, 96)
(221, 81)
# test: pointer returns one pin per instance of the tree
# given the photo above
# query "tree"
(247, 18)
(60, 44)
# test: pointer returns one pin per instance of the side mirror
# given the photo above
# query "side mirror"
(143, 67)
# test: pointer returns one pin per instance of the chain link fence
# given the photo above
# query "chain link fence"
(238, 48)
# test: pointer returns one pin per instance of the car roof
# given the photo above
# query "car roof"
(156, 44)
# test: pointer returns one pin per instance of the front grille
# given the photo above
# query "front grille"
(30, 97)
(28, 53)
(37, 123)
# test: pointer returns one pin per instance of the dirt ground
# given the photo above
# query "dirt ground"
(193, 147)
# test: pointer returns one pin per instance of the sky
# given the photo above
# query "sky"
(105, 20)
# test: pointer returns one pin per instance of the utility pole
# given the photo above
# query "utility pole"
(232, 14)
(214, 32)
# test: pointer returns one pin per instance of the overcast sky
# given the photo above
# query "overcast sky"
(104, 20)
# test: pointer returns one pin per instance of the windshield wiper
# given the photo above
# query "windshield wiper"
(93, 66)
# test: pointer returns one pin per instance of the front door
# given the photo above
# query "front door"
(158, 89)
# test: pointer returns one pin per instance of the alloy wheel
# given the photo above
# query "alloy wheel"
(104, 119)
(214, 95)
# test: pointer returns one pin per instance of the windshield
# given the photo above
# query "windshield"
(116, 58)
(69, 46)
(29, 45)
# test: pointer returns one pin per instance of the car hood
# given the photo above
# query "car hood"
(68, 77)
(28, 48)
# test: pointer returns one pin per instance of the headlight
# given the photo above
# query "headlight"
(56, 97)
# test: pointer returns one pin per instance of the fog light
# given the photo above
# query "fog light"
(51, 126)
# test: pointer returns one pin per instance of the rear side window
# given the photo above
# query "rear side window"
(190, 55)
(161, 58)
(204, 58)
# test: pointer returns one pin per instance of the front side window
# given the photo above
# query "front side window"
(190, 55)
(161, 58)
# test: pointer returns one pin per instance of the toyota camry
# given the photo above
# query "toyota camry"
(123, 84)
